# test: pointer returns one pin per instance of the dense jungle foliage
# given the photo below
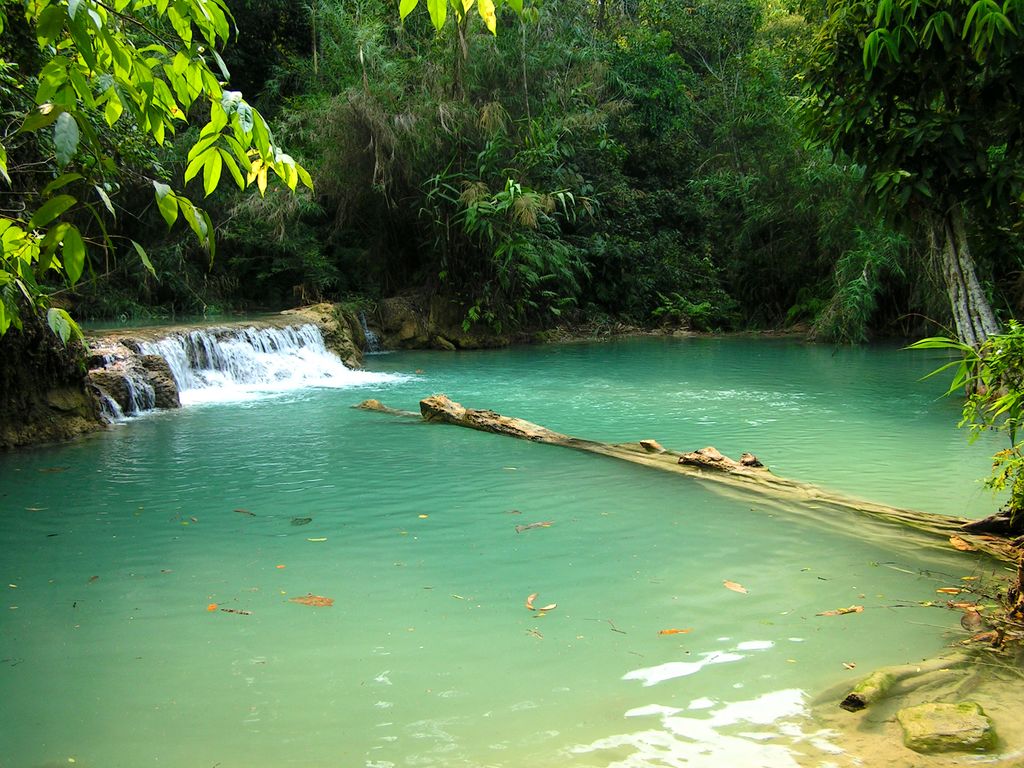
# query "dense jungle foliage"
(594, 161)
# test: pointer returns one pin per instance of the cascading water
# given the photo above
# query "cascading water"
(219, 365)
(373, 343)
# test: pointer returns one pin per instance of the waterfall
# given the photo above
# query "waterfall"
(372, 339)
(246, 363)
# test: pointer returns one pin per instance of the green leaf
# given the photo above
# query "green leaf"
(405, 7)
(73, 7)
(166, 202)
(73, 254)
(438, 12)
(211, 171)
(144, 258)
(61, 324)
(50, 210)
(106, 199)
(49, 25)
(60, 182)
(40, 117)
(112, 111)
(232, 166)
(517, 6)
(3, 164)
(65, 138)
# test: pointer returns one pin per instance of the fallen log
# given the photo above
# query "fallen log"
(747, 474)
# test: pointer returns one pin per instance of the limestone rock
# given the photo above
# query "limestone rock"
(336, 326)
(937, 727)
(444, 344)
(159, 375)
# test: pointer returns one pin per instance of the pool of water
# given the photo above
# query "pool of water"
(148, 571)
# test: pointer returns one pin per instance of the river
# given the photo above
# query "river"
(149, 571)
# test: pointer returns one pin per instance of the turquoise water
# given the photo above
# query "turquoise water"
(113, 548)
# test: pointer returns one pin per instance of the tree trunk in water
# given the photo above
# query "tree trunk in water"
(975, 321)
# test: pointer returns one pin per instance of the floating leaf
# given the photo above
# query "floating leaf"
(542, 524)
(318, 538)
(849, 665)
(549, 607)
(300, 520)
(529, 601)
(211, 607)
(949, 590)
(316, 601)
(245, 512)
(735, 587)
(962, 545)
(673, 631)
(236, 610)
(843, 611)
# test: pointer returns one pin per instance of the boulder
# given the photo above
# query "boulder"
(938, 727)
(402, 323)
(159, 376)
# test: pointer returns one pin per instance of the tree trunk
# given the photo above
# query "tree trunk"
(726, 474)
(975, 321)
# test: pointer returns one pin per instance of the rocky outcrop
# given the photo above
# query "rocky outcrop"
(936, 727)
(165, 391)
(411, 322)
(126, 383)
(43, 395)
(341, 329)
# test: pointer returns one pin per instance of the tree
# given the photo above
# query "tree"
(112, 72)
(925, 95)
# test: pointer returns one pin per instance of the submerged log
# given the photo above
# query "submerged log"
(882, 682)
(743, 475)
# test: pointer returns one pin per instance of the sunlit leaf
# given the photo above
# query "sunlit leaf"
(735, 587)
(144, 258)
(73, 254)
(50, 210)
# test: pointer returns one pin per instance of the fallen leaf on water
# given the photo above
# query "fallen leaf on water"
(965, 606)
(529, 601)
(318, 538)
(211, 607)
(236, 610)
(35, 509)
(843, 611)
(93, 579)
(949, 590)
(245, 512)
(984, 637)
(549, 607)
(735, 587)
(317, 601)
(543, 524)
(968, 578)
(424, 517)
(280, 566)
(302, 520)
(673, 631)
(849, 665)
(962, 545)
(535, 633)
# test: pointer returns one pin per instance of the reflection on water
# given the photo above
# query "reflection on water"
(113, 549)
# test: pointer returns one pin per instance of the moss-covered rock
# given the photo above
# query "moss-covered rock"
(43, 395)
(937, 727)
